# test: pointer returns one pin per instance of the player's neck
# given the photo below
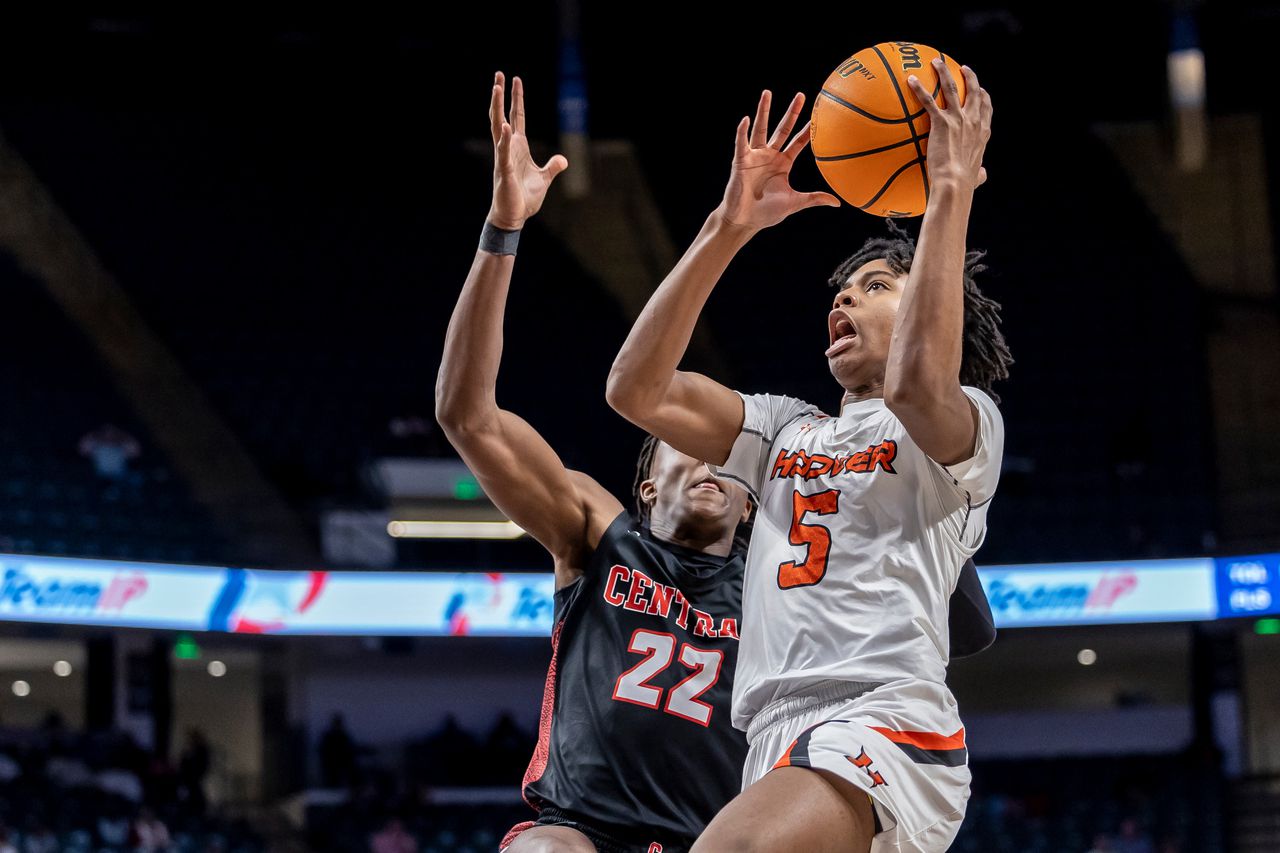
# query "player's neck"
(861, 393)
(696, 539)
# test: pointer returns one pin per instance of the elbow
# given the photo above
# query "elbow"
(454, 412)
(447, 410)
(620, 393)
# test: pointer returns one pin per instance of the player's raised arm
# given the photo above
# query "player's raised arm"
(922, 378)
(691, 412)
(564, 510)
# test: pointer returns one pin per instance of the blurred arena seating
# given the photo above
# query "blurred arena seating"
(52, 501)
(89, 791)
(1060, 805)
(313, 317)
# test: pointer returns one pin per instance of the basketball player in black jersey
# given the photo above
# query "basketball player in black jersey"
(635, 750)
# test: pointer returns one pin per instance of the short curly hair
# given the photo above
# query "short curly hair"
(985, 357)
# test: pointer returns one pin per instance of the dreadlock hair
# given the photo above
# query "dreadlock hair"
(985, 356)
(644, 470)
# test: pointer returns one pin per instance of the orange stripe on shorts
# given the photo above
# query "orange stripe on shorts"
(924, 740)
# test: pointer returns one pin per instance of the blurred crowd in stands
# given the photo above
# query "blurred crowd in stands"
(96, 793)
(455, 790)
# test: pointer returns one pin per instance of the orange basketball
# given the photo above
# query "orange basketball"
(870, 133)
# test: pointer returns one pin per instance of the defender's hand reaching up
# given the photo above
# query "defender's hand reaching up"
(519, 184)
(759, 192)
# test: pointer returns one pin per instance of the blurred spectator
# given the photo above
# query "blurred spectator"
(193, 767)
(337, 755)
(54, 729)
(152, 835)
(110, 448)
(393, 839)
(507, 750)
(40, 839)
(1101, 844)
(1132, 839)
(67, 772)
(6, 840)
(447, 756)
(122, 783)
(113, 825)
(9, 769)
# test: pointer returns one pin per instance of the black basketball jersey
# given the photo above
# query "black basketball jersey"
(635, 730)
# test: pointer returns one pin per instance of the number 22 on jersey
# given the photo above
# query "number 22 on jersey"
(816, 536)
(659, 648)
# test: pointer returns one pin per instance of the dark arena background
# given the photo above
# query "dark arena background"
(242, 589)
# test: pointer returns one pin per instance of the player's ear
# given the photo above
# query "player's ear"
(748, 509)
(648, 491)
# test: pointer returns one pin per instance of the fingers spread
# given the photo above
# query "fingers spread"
(926, 99)
(820, 200)
(495, 108)
(972, 87)
(517, 105)
(740, 143)
(950, 91)
(783, 130)
(799, 141)
(761, 126)
(504, 150)
(556, 165)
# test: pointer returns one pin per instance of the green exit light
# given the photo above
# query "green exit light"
(185, 648)
(1267, 626)
(466, 489)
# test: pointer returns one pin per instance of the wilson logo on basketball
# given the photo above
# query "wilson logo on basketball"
(910, 54)
(855, 66)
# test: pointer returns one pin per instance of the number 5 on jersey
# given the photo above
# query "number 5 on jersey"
(816, 536)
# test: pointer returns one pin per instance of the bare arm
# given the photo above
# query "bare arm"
(564, 510)
(691, 412)
(922, 379)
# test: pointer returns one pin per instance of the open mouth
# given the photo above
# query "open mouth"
(843, 333)
(711, 485)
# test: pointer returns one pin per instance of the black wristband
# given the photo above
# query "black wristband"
(498, 241)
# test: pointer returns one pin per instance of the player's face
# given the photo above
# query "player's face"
(685, 492)
(860, 326)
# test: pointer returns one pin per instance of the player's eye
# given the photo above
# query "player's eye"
(876, 284)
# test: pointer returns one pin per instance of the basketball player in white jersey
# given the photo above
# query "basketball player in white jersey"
(864, 517)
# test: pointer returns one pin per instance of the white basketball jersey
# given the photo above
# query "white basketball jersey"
(859, 539)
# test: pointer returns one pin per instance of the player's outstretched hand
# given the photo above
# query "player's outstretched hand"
(759, 192)
(519, 184)
(958, 133)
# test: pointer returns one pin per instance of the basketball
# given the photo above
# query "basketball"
(870, 131)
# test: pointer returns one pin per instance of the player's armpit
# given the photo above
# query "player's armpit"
(526, 480)
(944, 426)
(694, 414)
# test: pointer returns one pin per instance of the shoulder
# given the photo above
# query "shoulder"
(981, 400)
(767, 414)
(600, 509)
